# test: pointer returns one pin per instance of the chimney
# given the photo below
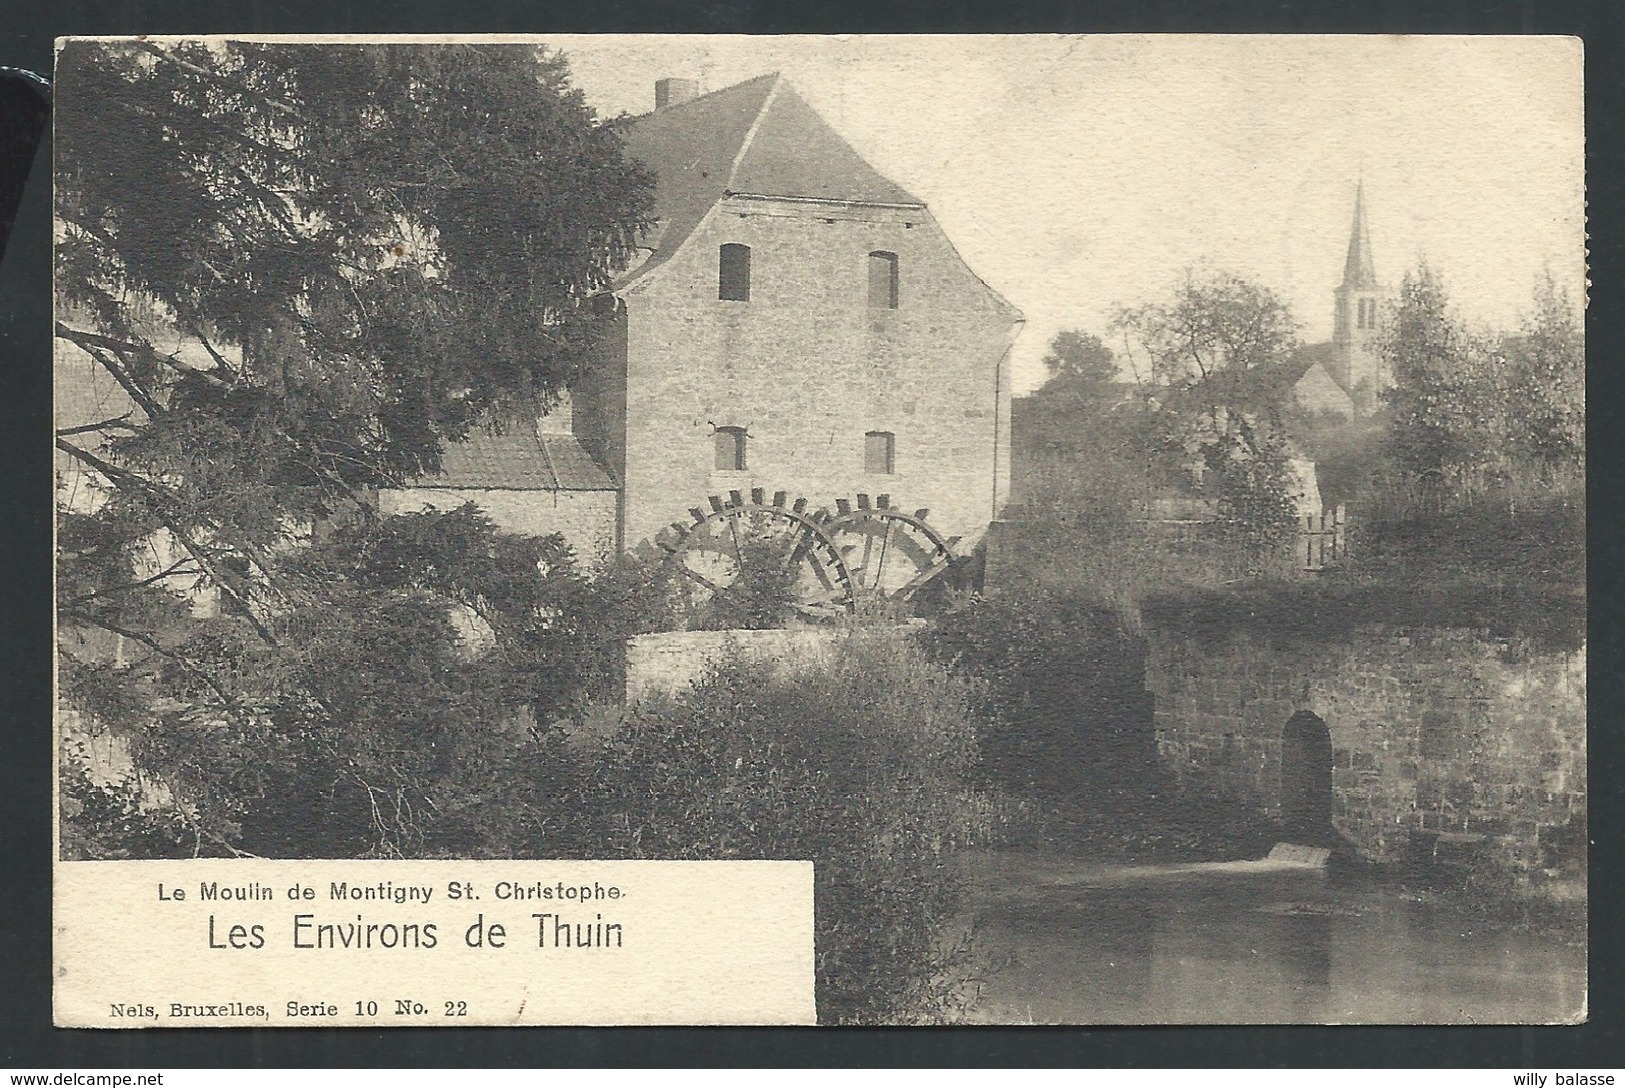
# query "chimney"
(670, 92)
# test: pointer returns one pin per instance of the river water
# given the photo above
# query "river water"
(1062, 942)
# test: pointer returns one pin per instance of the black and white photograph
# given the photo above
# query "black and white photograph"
(1115, 505)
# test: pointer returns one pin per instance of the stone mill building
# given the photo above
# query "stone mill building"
(796, 323)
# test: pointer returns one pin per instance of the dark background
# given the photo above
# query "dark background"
(26, 1038)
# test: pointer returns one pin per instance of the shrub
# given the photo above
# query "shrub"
(1106, 504)
(753, 588)
(1529, 530)
(102, 819)
(1063, 689)
(394, 681)
(860, 763)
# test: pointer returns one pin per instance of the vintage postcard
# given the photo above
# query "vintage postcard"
(839, 530)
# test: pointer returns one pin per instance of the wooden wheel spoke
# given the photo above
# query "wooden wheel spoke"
(799, 538)
(885, 546)
(941, 564)
(818, 569)
(862, 568)
(689, 572)
(896, 558)
(739, 549)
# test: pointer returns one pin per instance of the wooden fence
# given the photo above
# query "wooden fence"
(1320, 542)
(1322, 538)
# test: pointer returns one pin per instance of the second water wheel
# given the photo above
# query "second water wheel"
(890, 553)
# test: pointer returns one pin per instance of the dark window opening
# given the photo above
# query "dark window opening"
(730, 449)
(733, 273)
(883, 280)
(879, 452)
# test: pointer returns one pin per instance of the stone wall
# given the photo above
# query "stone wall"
(808, 367)
(670, 660)
(586, 519)
(1444, 741)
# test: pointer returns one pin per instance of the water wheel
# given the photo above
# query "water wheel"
(742, 559)
(891, 554)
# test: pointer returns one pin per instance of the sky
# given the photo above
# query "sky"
(1079, 174)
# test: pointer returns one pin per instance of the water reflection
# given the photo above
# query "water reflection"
(1281, 948)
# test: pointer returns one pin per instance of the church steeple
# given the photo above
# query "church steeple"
(1356, 366)
(1359, 272)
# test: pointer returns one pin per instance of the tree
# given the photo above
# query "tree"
(1210, 352)
(1215, 329)
(362, 251)
(1475, 414)
(1448, 420)
(1080, 366)
(1547, 380)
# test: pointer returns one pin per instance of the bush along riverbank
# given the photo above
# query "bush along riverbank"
(864, 762)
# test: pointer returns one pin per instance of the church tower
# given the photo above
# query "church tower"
(1357, 365)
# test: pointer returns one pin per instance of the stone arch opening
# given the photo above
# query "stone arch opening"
(1306, 780)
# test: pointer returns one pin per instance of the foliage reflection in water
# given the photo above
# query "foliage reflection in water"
(1171, 946)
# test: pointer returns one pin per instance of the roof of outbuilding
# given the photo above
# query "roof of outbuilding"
(1273, 382)
(518, 460)
(1317, 386)
(759, 138)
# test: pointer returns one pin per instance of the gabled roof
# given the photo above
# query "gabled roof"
(520, 460)
(758, 138)
(1317, 390)
(795, 153)
(1306, 358)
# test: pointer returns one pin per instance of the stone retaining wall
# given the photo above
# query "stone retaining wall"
(1443, 740)
(670, 660)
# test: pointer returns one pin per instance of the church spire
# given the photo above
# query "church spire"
(1359, 272)
(1358, 365)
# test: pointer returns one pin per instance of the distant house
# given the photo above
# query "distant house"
(1314, 389)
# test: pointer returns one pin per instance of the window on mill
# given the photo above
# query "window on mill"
(733, 273)
(730, 449)
(882, 280)
(879, 453)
